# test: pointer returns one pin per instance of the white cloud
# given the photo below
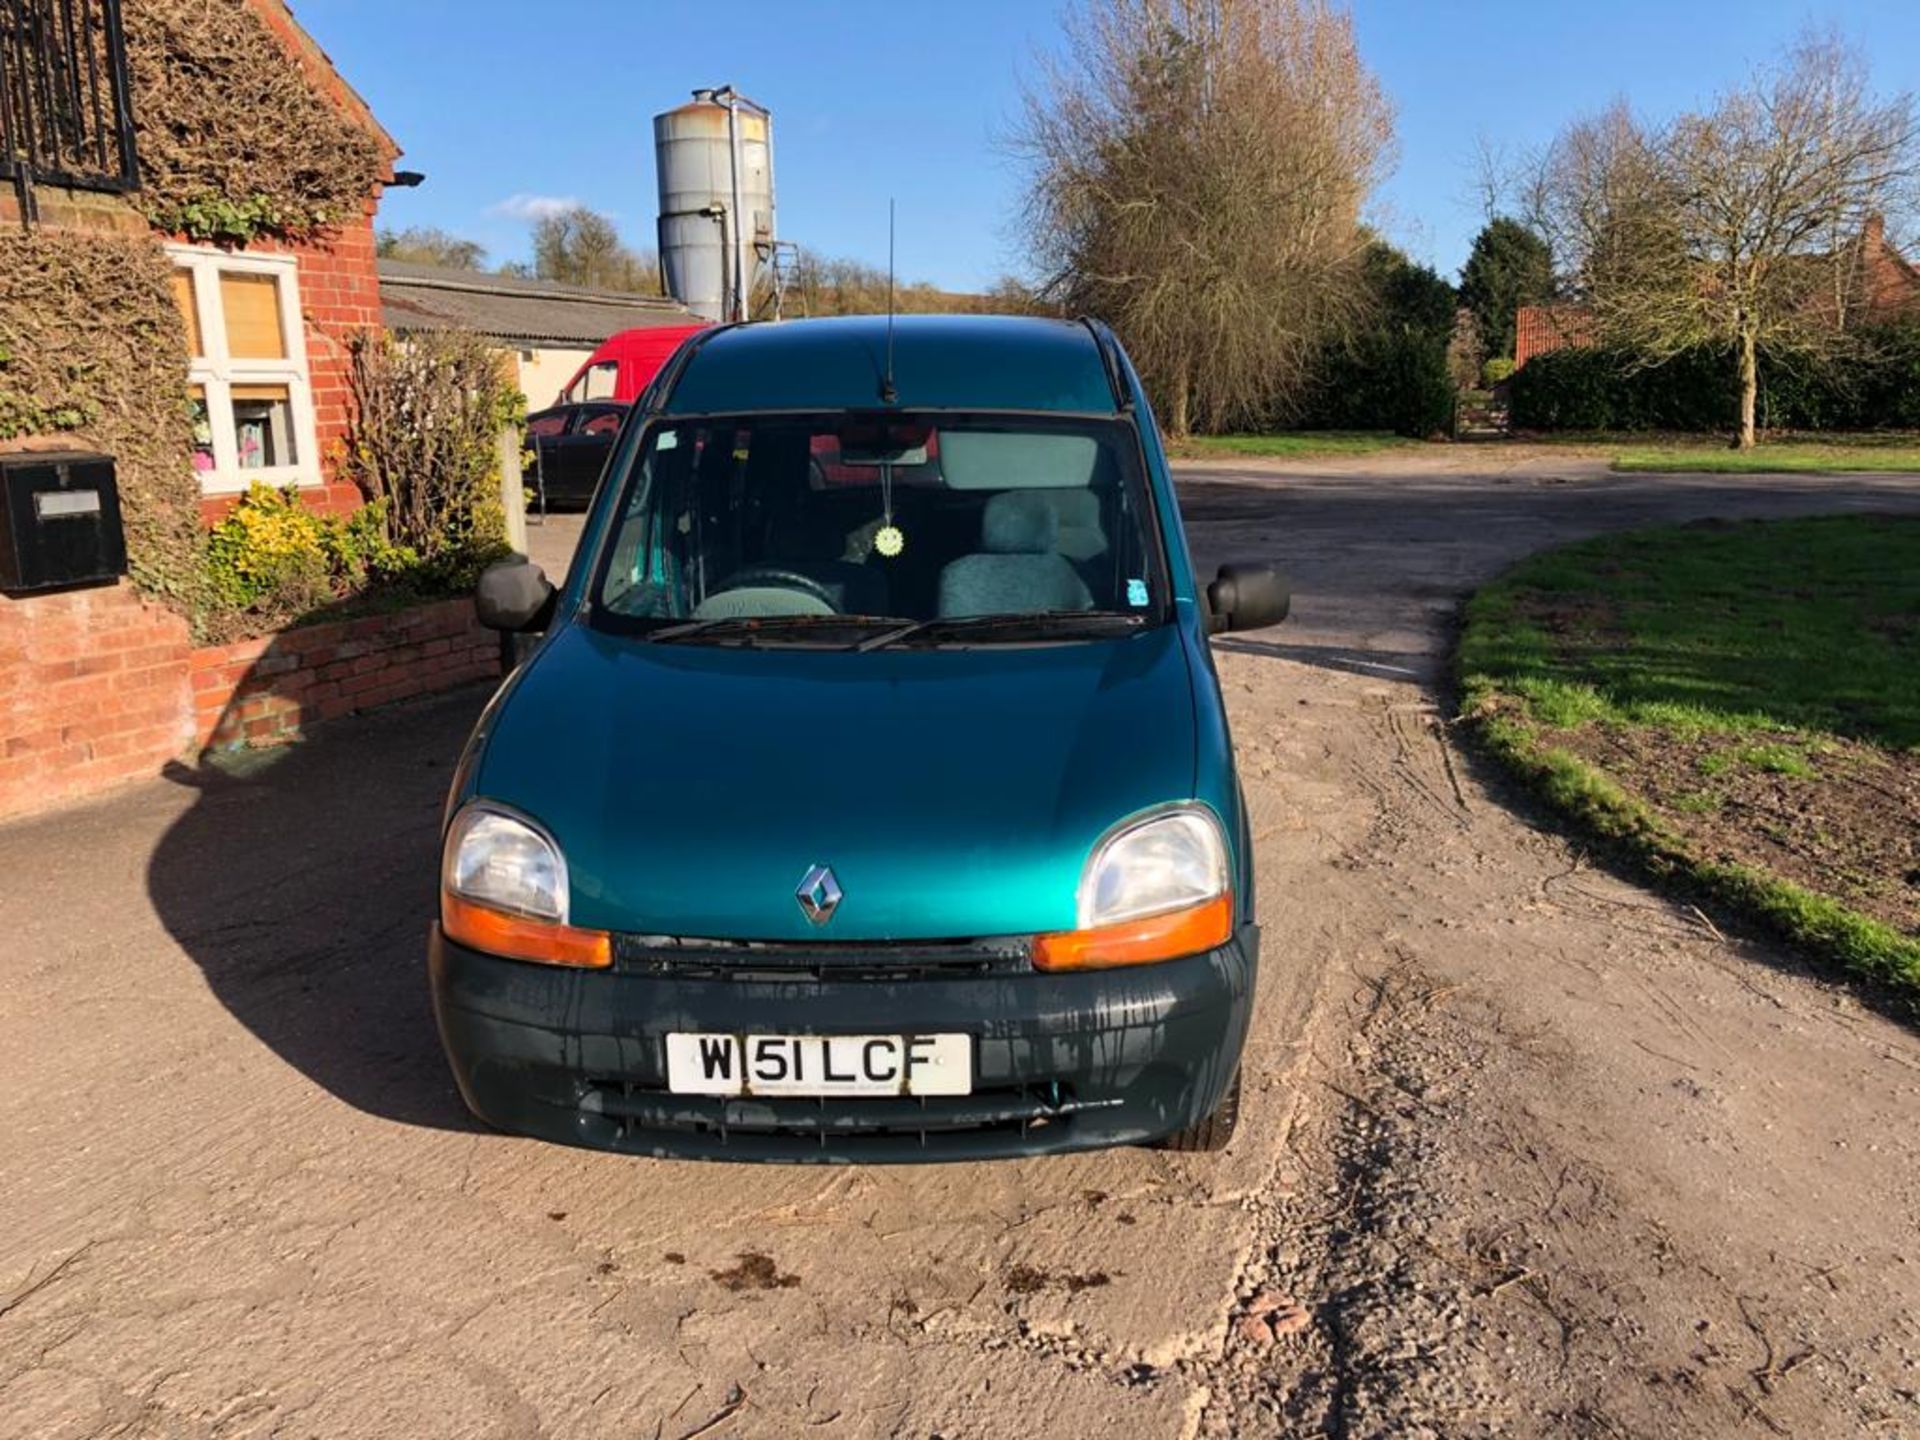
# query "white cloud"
(534, 207)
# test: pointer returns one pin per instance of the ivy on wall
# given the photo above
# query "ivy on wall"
(234, 140)
(92, 349)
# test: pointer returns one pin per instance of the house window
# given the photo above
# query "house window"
(248, 384)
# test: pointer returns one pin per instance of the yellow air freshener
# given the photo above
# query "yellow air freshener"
(889, 541)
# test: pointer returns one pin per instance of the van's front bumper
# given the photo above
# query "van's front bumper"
(1061, 1062)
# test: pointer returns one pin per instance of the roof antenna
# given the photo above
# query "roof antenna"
(888, 394)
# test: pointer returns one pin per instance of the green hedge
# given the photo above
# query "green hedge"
(1391, 374)
(1599, 389)
(1394, 380)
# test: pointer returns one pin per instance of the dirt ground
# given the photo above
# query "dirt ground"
(1852, 833)
(1534, 1151)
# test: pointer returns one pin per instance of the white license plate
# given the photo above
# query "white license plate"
(819, 1064)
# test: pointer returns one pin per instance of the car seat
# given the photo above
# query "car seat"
(1019, 568)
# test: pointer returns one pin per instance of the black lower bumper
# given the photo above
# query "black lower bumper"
(1061, 1062)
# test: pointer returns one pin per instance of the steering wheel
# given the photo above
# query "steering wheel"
(779, 578)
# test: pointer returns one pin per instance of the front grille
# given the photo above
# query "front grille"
(833, 1122)
(859, 960)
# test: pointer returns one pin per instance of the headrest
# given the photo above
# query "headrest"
(1017, 523)
(1077, 509)
(1082, 536)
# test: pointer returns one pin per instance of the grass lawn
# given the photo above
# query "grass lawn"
(1290, 445)
(1782, 452)
(1877, 453)
(1737, 705)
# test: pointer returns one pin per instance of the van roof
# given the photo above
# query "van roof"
(946, 362)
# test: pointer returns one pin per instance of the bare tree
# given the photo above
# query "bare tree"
(1493, 171)
(1737, 226)
(583, 247)
(1196, 174)
(836, 285)
(1011, 295)
(430, 245)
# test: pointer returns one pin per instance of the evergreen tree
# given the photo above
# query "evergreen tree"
(1510, 266)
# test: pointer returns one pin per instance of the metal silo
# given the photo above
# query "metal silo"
(714, 157)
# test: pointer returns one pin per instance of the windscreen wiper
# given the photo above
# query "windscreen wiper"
(1028, 625)
(749, 628)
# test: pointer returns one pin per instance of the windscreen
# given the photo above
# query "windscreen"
(896, 515)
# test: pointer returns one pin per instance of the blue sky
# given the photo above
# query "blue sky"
(504, 105)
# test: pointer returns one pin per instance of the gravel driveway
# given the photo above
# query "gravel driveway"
(1537, 1151)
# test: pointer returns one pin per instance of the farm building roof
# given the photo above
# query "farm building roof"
(517, 311)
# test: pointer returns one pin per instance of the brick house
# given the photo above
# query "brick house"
(267, 321)
(1538, 329)
(1882, 282)
(1886, 283)
(102, 685)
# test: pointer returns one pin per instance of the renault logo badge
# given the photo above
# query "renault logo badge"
(819, 894)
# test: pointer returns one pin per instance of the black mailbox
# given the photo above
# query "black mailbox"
(60, 521)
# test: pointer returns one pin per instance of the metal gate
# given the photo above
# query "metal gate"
(66, 115)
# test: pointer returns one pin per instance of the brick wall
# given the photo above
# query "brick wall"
(339, 296)
(264, 692)
(64, 209)
(1884, 283)
(92, 693)
(99, 687)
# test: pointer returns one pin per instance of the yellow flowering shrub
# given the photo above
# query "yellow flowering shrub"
(273, 559)
(270, 545)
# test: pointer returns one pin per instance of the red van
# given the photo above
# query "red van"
(624, 363)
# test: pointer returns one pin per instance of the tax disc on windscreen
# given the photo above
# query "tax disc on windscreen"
(889, 541)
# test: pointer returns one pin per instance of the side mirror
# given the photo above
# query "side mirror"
(1248, 597)
(515, 595)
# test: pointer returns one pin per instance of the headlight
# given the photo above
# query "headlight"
(1156, 890)
(1166, 863)
(500, 860)
(503, 889)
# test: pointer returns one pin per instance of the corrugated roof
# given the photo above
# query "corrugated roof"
(522, 312)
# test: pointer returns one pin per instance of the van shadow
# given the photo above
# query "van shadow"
(302, 880)
(1423, 670)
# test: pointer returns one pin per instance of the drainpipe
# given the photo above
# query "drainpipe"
(730, 97)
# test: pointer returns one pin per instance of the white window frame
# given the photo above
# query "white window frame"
(217, 372)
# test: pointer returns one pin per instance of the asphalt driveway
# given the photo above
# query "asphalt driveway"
(1532, 1148)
